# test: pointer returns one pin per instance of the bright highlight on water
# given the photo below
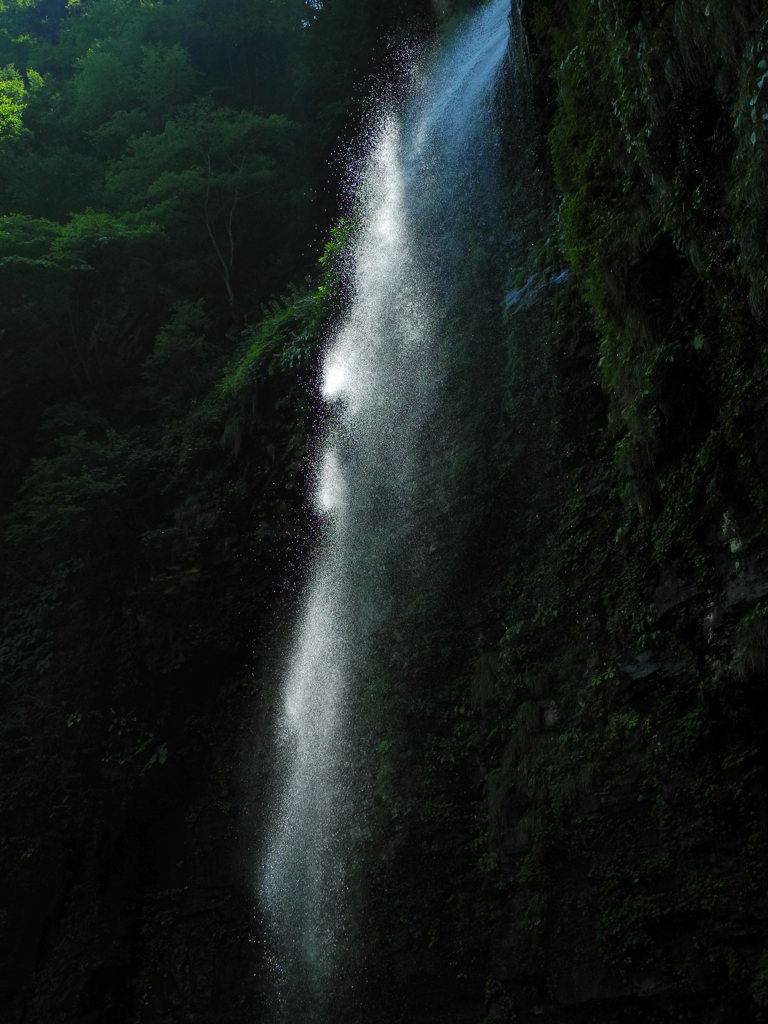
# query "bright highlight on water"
(381, 379)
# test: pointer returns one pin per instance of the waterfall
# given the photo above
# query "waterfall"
(427, 194)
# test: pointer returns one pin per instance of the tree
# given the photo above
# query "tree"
(207, 163)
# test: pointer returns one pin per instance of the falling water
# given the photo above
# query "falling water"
(379, 479)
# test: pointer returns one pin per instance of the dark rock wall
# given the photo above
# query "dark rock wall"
(578, 827)
(123, 889)
(626, 794)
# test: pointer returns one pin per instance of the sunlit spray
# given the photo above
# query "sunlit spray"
(380, 378)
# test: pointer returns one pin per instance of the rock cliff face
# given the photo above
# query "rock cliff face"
(626, 799)
(590, 767)
(133, 901)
